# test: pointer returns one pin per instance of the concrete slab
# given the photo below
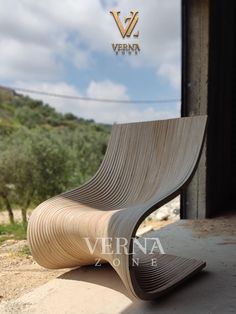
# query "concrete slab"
(93, 290)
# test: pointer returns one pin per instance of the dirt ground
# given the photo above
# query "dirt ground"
(18, 271)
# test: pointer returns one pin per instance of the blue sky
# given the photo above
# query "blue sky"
(64, 47)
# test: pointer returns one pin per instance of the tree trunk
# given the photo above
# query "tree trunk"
(9, 209)
(24, 215)
(24, 211)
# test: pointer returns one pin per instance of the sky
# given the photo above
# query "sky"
(64, 47)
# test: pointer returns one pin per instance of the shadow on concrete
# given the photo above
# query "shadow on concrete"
(106, 276)
(172, 302)
(103, 275)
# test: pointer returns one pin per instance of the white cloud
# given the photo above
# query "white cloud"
(107, 89)
(17, 62)
(100, 112)
(171, 72)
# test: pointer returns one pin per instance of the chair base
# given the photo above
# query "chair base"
(157, 274)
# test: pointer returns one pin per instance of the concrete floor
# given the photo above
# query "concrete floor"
(99, 290)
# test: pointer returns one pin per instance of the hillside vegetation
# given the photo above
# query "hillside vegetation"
(43, 152)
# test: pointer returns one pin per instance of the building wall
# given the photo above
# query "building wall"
(195, 43)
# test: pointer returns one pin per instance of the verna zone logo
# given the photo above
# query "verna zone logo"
(150, 246)
(126, 31)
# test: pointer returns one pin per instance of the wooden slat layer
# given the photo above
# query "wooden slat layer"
(157, 274)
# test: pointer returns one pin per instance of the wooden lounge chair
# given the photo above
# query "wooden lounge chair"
(146, 165)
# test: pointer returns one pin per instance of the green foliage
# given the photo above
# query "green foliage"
(9, 231)
(43, 152)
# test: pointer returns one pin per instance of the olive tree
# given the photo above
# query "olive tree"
(35, 165)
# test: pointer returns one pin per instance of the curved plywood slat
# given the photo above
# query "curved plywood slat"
(146, 164)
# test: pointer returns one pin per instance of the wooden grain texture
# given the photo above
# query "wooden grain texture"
(146, 164)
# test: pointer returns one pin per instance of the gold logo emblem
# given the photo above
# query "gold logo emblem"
(130, 23)
(126, 30)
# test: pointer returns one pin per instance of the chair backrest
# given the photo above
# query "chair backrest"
(145, 159)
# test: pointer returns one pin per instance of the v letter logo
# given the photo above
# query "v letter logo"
(130, 21)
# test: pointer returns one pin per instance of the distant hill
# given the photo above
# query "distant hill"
(18, 110)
